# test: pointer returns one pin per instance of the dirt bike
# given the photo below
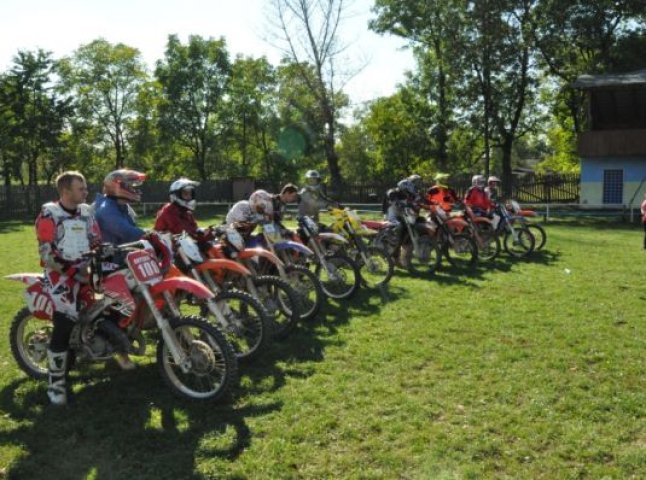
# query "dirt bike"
(338, 273)
(375, 265)
(300, 278)
(452, 239)
(242, 318)
(417, 237)
(266, 282)
(481, 230)
(522, 215)
(518, 240)
(194, 358)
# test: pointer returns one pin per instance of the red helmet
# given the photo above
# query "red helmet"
(124, 184)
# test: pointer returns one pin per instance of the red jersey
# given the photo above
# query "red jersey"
(477, 198)
(443, 196)
(175, 219)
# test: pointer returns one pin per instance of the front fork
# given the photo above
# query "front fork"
(168, 335)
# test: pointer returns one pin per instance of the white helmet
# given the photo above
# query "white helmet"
(312, 177)
(478, 181)
(260, 201)
(175, 191)
(493, 179)
(407, 186)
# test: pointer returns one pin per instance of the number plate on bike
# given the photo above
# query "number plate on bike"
(144, 267)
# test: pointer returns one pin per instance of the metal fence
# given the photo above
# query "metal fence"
(17, 202)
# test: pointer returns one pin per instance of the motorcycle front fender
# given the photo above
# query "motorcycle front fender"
(261, 252)
(332, 237)
(291, 245)
(184, 284)
(222, 264)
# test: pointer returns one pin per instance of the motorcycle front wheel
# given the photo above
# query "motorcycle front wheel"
(462, 252)
(522, 246)
(281, 301)
(489, 246)
(427, 258)
(308, 288)
(210, 368)
(340, 277)
(29, 338)
(378, 267)
(248, 325)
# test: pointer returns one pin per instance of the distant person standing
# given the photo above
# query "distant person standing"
(643, 209)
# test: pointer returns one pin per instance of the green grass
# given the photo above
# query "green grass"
(520, 370)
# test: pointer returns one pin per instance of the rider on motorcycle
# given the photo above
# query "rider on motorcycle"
(477, 198)
(493, 188)
(405, 194)
(288, 194)
(65, 230)
(177, 215)
(311, 198)
(440, 194)
(246, 214)
(112, 208)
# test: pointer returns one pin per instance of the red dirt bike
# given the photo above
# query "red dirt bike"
(242, 318)
(481, 230)
(194, 358)
(266, 282)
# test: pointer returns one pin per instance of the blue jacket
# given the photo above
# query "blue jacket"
(116, 221)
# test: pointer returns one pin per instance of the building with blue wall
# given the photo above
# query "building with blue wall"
(613, 148)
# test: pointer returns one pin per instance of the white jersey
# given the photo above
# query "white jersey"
(241, 212)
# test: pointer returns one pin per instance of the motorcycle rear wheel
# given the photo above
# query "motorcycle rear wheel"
(540, 236)
(212, 371)
(29, 338)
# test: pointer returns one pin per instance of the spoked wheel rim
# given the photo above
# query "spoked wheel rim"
(210, 367)
(522, 246)
(377, 269)
(340, 278)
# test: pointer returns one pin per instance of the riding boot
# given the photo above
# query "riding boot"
(57, 366)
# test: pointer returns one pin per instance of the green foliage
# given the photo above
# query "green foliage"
(105, 81)
(194, 79)
(525, 369)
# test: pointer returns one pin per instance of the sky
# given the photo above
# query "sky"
(64, 25)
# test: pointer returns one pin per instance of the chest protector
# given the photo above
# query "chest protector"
(72, 230)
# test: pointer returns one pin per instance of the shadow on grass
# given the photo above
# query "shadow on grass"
(7, 226)
(127, 425)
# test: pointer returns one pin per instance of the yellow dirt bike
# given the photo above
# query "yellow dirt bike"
(375, 265)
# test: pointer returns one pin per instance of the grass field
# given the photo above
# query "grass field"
(526, 369)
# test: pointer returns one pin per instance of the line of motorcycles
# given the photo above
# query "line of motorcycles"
(210, 305)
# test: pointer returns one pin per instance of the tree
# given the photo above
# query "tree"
(105, 80)
(194, 80)
(308, 31)
(253, 107)
(435, 30)
(34, 117)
